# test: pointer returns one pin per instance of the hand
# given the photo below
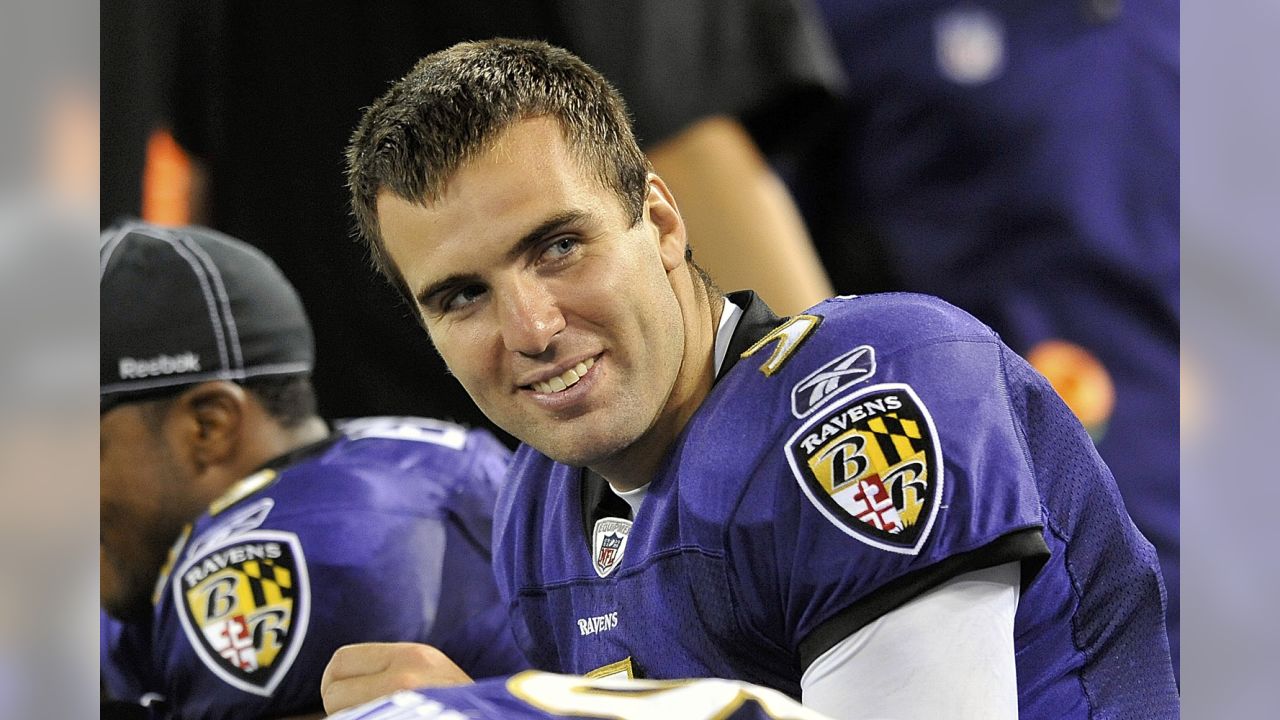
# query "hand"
(359, 673)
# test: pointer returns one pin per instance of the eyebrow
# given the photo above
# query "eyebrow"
(521, 246)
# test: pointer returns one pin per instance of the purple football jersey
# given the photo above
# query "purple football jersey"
(380, 533)
(854, 457)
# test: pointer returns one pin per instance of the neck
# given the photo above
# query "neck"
(266, 442)
(639, 463)
(312, 430)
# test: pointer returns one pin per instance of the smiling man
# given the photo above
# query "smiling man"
(605, 390)
(873, 506)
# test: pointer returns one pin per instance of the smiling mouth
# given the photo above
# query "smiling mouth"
(566, 379)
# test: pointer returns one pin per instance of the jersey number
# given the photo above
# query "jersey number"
(786, 338)
(705, 699)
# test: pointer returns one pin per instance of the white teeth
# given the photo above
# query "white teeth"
(567, 379)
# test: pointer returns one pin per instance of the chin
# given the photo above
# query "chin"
(580, 451)
(575, 456)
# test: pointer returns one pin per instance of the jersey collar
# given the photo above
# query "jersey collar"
(754, 322)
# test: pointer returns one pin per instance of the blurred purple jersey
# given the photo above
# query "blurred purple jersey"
(380, 533)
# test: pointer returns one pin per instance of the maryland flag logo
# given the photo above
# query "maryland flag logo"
(244, 604)
(872, 466)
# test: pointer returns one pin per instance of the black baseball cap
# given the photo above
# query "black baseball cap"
(181, 306)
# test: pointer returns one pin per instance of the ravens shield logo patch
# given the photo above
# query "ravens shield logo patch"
(872, 465)
(244, 604)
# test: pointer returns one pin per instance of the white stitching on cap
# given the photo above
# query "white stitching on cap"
(208, 295)
(107, 247)
(289, 368)
(216, 274)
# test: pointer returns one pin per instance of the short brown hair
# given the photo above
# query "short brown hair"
(456, 101)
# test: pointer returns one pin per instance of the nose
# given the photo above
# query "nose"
(531, 317)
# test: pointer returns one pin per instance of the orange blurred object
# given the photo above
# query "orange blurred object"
(1081, 380)
(166, 181)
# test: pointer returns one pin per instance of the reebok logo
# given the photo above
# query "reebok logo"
(133, 368)
(832, 379)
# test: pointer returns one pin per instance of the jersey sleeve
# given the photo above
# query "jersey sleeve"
(259, 632)
(897, 465)
(421, 577)
(472, 626)
(121, 656)
(388, 542)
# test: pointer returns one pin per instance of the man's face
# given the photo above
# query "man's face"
(142, 509)
(556, 313)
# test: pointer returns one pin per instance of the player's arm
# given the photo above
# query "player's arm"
(947, 653)
(933, 515)
(365, 671)
(745, 228)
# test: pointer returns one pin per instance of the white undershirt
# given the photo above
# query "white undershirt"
(945, 654)
(633, 497)
(728, 323)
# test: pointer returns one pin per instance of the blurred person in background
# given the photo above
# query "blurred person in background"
(1021, 161)
(261, 103)
(243, 540)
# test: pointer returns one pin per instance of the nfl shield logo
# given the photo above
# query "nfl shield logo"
(608, 541)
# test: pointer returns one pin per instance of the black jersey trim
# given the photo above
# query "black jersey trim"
(598, 501)
(298, 454)
(757, 320)
(1026, 544)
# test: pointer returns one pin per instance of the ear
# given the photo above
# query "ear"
(661, 211)
(212, 420)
